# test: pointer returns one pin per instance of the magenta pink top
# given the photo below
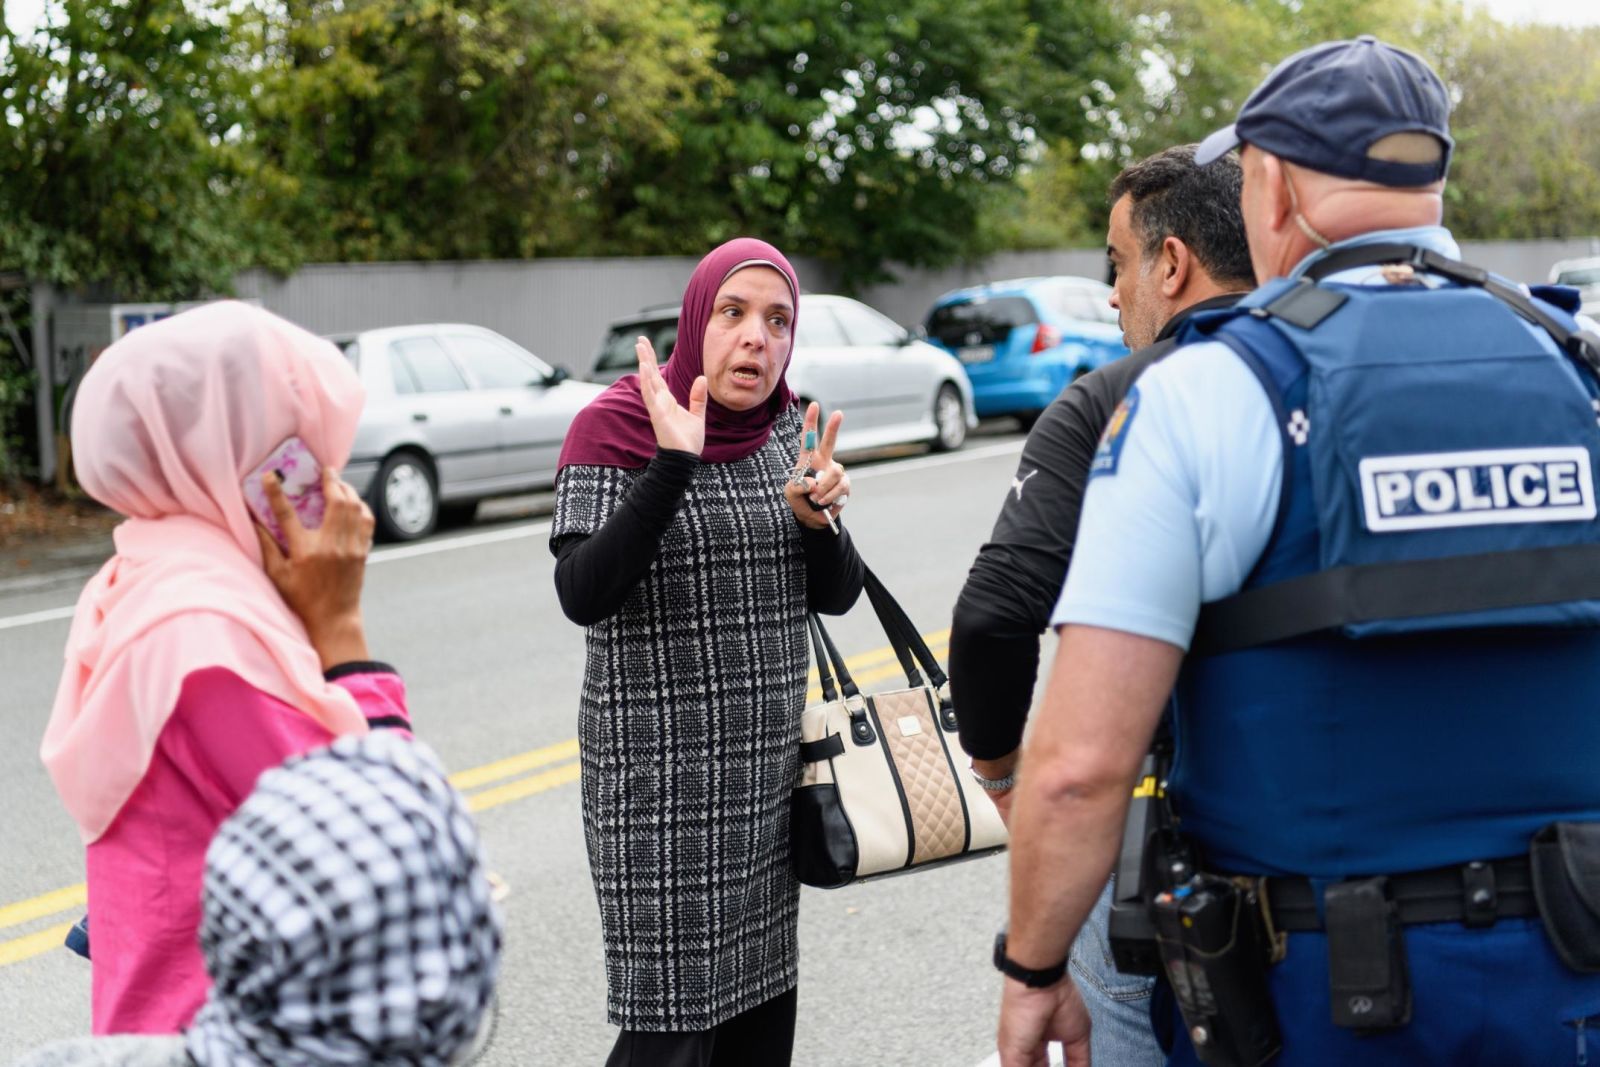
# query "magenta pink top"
(145, 871)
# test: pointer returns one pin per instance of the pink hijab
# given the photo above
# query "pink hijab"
(166, 425)
(614, 430)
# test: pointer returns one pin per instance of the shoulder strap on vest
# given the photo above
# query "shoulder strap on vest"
(1356, 594)
(1582, 346)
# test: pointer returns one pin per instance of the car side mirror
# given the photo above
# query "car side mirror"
(556, 376)
(917, 333)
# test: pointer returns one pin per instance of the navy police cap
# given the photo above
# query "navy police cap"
(1325, 108)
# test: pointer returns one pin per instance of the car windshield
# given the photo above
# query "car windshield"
(497, 364)
(980, 320)
(616, 351)
(1581, 276)
(1084, 303)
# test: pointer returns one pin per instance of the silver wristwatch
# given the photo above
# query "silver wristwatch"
(995, 785)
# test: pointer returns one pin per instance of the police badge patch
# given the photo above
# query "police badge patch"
(1110, 450)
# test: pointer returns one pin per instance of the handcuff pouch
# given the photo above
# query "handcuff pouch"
(1368, 982)
(1565, 862)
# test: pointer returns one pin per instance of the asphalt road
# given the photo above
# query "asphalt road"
(892, 972)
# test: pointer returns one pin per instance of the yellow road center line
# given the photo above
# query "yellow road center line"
(74, 896)
(21, 948)
(523, 787)
(866, 667)
(515, 765)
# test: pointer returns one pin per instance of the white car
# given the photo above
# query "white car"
(892, 387)
(454, 413)
(1583, 275)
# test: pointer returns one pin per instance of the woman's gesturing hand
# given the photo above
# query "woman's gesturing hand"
(320, 577)
(826, 483)
(676, 428)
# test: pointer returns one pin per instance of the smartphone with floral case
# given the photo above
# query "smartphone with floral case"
(301, 477)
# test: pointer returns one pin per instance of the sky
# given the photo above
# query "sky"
(1565, 12)
(24, 15)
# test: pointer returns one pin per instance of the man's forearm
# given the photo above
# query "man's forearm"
(1105, 697)
(1064, 843)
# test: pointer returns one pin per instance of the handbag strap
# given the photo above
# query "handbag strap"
(903, 635)
(828, 653)
(824, 676)
(908, 643)
(860, 728)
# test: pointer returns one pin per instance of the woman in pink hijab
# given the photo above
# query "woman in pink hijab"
(201, 654)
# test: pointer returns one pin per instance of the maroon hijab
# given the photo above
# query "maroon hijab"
(614, 429)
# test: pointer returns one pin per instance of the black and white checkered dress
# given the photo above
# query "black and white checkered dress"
(689, 725)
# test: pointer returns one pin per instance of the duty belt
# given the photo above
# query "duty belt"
(1475, 894)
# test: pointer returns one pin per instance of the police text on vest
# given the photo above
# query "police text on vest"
(1482, 488)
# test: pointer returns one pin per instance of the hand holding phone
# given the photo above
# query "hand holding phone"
(319, 574)
(300, 477)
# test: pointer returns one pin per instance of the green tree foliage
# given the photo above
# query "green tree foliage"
(1526, 161)
(123, 163)
(866, 131)
(1196, 62)
(154, 147)
(1525, 98)
(464, 129)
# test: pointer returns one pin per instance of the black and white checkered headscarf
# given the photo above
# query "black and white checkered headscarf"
(347, 918)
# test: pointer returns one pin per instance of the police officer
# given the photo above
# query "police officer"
(1364, 503)
(1176, 242)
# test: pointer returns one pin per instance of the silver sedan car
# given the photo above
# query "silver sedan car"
(454, 413)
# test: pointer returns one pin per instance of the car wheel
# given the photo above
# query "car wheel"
(949, 419)
(406, 498)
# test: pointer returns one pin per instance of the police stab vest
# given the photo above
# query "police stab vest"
(1452, 455)
(1410, 675)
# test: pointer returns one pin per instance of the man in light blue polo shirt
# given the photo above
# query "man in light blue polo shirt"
(1401, 774)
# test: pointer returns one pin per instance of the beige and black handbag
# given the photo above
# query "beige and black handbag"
(884, 786)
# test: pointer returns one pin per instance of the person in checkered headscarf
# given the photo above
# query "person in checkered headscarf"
(347, 920)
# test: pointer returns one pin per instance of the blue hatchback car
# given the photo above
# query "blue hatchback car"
(1024, 341)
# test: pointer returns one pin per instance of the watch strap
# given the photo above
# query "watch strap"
(1033, 979)
(995, 785)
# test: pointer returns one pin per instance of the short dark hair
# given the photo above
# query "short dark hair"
(1171, 197)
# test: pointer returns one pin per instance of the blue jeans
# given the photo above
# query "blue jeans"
(1119, 1004)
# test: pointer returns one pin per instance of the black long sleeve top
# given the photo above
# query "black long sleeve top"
(1013, 586)
(596, 573)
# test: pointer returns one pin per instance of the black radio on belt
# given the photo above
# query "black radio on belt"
(1153, 858)
(1214, 951)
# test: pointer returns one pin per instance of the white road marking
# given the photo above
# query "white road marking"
(517, 533)
(50, 615)
(450, 544)
(943, 460)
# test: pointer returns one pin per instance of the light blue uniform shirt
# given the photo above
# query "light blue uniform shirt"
(1180, 509)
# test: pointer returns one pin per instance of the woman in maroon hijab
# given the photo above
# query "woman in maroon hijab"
(692, 531)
